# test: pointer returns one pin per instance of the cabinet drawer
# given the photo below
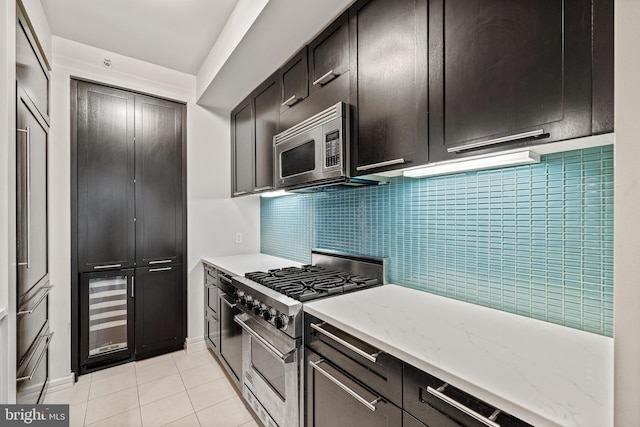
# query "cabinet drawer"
(32, 318)
(384, 376)
(212, 298)
(436, 403)
(212, 330)
(33, 375)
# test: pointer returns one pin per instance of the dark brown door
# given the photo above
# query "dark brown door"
(329, 54)
(502, 70)
(293, 80)
(106, 210)
(159, 294)
(242, 149)
(266, 125)
(389, 65)
(159, 187)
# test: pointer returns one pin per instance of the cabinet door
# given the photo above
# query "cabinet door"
(242, 149)
(329, 404)
(389, 65)
(504, 71)
(31, 72)
(265, 102)
(293, 80)
(159, 183)
(31, 196)
(105, 153)
(159, 294)
(329, 54)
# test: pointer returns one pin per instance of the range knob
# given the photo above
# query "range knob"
(268, 314)
(239, 295)
(257, 308)
(281, 321)
(249, 302)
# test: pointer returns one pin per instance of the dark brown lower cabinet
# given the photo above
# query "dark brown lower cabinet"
(334, 398)
(160, 317)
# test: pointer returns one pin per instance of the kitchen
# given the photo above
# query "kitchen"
(214, 218)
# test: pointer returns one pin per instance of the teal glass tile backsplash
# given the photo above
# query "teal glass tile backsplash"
(535, 240)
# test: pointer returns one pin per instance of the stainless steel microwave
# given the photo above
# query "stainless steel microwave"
(315, 151)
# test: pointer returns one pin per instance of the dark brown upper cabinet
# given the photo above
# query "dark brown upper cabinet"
(507, 73)
(388, 84)
(106, 172)
(159, 182)
(329, 54)
(254, 122)
(294, 83)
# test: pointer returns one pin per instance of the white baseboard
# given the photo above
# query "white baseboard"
(61, 383)
(192, 345)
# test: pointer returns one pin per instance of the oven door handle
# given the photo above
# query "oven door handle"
(274, 351)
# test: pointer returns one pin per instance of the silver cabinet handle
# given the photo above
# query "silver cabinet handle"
(24, 311)
(277, 353)
(381, 164)
(30, 375)
(289, 102)
(27, 131)
(153, 270)
(133, 286)
(100, 267)
(164, 261)
(371, 405)
(496, 141)
(371, 357)
(268, 187)
(473, 414)
(240, 193)
(326, 78)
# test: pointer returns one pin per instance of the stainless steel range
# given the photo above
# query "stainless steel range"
(271, 304)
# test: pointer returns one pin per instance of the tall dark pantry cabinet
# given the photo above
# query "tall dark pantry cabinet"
(128, 225)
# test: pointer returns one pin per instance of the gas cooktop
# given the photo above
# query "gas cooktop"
(311, 281)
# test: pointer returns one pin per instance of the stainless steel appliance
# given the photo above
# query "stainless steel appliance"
(315, 152)
(271, 305)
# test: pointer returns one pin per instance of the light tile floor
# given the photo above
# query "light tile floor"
(176, 389)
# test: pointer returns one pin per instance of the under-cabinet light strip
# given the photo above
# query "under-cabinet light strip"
(473, 164)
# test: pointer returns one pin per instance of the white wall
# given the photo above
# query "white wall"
(627, 215)
(7, 138)
(213, 218)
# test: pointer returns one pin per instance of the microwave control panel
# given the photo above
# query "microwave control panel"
(332, 149)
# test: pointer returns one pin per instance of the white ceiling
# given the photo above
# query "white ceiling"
(176, 34)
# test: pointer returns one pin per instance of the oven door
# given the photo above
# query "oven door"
(270, 367)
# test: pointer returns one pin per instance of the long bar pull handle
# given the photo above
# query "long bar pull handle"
(27, 131)
(523, 135)
(261, 340)
(133, 286)
(153, 270)
(24, 311)
(381, 164)
(31, 374)
(326, 78)
(289, 102)
(371, 357)
(470, 412)
(164, 261)
(371, 405)
(101, 267)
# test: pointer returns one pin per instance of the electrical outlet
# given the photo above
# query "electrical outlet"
(238, 238)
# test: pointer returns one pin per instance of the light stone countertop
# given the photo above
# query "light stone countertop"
(238, 265)
(545, 374)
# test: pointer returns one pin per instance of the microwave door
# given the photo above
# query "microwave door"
(299, 159)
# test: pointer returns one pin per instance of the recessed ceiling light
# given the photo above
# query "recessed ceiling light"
(106, 63)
